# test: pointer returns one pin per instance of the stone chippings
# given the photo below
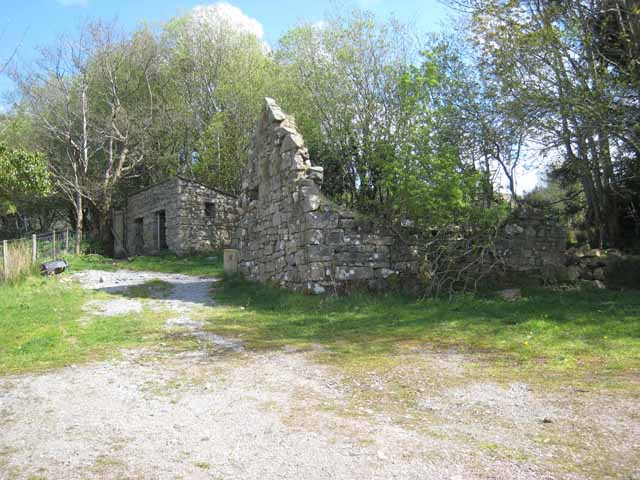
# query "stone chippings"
(289, 233)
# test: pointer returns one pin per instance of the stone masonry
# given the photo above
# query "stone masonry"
(292, 235)
(179, 215)
(531, 240)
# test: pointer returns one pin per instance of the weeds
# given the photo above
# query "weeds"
(19, 261)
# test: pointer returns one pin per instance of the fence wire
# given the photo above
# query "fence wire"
(20, 255)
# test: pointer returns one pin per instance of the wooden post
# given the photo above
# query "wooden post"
(5, 260)
(34, 248)
(66, 241)
(53, 238)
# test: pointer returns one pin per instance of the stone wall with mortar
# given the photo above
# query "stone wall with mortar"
(205, 228)
(197, 218)
(290, 234)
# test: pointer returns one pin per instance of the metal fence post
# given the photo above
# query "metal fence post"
(66, 241)
(5, 260)
(34, 248)
(53, 238)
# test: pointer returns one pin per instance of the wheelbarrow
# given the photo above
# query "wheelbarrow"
(54, 267)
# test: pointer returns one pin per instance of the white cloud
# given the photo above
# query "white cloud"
(225, 13)
(369, 3)
(73, 3)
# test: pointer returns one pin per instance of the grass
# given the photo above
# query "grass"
(39, 327)
(591, 332)
(210, 264)
(39, 316)
(19, 263)
(594, 333)
(150, 289)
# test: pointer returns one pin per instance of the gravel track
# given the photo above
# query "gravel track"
(222, 412)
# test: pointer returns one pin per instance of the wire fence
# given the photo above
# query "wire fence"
(19, 256)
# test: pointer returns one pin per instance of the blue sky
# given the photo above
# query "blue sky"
(32, 23)
(28, 24)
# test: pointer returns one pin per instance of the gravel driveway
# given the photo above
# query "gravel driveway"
(220, 411)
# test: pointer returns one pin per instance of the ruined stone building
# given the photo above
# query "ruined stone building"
(179, 215)
(290, 234)
(283, 230)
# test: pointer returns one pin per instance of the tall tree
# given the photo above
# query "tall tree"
(346, 74)
(91, 100)
(548, 60)
(220, 71)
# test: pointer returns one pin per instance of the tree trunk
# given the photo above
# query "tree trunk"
(79, 220)
(104, 231)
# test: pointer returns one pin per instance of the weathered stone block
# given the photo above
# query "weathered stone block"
(334, 237)
(313, 236)
(354, 273)
(322, 219)
(319, 253)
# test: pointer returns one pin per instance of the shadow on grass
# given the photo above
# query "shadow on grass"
(560, 325)
(206, 264)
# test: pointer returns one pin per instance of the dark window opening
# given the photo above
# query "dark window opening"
(253, 194)
(161, 226)
(210, 210)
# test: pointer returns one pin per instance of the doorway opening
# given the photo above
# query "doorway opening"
(161, 224)
(138, 236)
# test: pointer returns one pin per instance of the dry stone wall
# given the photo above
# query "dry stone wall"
(289, 233)
(532, 239)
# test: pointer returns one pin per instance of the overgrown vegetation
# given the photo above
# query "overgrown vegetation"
(210, 264)
(19, 263)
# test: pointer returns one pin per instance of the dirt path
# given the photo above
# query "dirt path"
(222, 412)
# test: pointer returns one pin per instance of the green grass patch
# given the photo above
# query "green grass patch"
(40, 328)
(151, 289)
(593, 332)
(209, 264)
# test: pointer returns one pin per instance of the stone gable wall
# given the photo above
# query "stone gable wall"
(188, 228)
(289, 233)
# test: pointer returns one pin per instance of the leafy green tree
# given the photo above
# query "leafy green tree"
(23, 174)
(92, 102)
(549, 60)
(220, 74)
(345, 75)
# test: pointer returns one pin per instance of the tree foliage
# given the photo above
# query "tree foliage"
(406, 126)
(23, 174)
(566, 69)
